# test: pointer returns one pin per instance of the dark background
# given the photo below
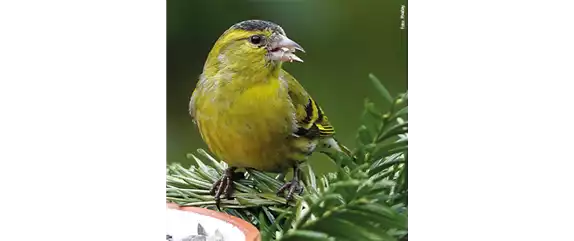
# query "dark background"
(344, 42)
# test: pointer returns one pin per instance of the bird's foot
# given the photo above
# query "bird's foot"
(223, 186)
(292, 187)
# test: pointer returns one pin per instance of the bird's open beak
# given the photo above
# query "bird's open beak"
(283, 49)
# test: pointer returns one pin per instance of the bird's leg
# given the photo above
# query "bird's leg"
(292, 186)
(223, 185)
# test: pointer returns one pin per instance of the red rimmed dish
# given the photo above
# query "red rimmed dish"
(183, 221)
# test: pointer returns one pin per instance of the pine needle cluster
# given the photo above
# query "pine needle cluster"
(365, 199)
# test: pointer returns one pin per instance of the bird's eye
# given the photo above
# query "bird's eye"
(256, 39)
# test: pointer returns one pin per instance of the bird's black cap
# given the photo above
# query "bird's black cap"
(252, 25)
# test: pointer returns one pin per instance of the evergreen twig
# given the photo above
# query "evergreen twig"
(364, 200)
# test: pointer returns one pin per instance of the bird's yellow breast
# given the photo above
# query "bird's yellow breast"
(248, 127)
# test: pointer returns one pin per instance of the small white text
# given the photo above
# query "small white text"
(402, 16)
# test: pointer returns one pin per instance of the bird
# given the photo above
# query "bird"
(253, 114)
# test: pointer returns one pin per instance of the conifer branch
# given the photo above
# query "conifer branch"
(365, 199)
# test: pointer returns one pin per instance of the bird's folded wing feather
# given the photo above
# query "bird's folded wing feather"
(311, 120)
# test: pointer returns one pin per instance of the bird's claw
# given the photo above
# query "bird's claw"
(223, 186)
(293, 187)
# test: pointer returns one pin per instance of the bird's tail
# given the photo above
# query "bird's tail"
(346, 150)
(331, 145)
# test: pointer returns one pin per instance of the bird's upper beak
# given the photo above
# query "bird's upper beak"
(283, 49)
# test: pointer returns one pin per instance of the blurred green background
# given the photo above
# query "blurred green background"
(344, 42)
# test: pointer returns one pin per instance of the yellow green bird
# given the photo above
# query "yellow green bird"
(253, 114)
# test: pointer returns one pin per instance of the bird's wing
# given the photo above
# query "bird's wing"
(311, 120)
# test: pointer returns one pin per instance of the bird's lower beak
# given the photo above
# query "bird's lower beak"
(283, 49)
